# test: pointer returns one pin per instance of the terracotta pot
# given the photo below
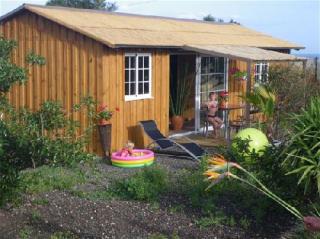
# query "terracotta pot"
(177, 122)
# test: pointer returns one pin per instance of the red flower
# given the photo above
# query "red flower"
(312, 223)
(234, 70)
(117, 109)
(224, 93)
(102, 107)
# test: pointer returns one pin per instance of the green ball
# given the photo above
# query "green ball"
(258, 140)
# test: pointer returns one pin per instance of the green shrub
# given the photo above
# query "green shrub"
(294, 88)
(33, 138)
(45, 179)
(146, 185)
(303, 150)
(46, 136)
(9, 175)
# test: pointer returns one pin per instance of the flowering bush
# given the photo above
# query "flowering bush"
(237, 74)
(104, 114)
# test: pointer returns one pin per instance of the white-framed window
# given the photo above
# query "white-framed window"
(261, 73)
(137, 76)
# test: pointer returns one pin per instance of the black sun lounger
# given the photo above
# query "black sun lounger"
(191, 149)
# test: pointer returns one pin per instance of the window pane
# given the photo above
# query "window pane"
(211, 66)
(132, 76)
(127, 62)
(204, 98)
(140, 59)
(220, 65)
(146, 75)
(140, 88)
(127, 86)
(204, 65)
(216, 82)
(126, 75)
(146, 88)
(204, 83)
(264, 78)
(257, 68)
(132, 88)
(140, 76)
(146, 62)
(132, 62)
(264, 68)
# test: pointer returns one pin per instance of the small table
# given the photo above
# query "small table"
(226, 109)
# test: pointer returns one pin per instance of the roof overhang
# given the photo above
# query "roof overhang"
(244, 53)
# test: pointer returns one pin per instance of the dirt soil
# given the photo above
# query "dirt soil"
(82, 218)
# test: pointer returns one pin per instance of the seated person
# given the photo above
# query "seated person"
(213, 118)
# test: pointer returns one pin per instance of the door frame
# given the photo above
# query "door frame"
(198, 86)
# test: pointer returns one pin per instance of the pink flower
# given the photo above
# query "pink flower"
(312, 223)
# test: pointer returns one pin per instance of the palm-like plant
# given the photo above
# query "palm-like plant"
(303, 150)
(264, 99)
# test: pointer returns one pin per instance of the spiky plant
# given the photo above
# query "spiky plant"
(303, 150)
(179, 93)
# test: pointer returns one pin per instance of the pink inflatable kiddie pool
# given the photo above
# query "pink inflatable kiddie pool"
(139, 158)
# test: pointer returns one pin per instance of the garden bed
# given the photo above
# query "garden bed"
(84, 207)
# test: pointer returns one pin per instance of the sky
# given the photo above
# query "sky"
(297, 21)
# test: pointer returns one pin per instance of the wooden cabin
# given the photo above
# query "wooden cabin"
(126, 60)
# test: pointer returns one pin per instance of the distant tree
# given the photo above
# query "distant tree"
(210, 18)
(233, 21)
(86, 4)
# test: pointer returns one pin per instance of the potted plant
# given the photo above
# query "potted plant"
(179, 95)
(105, 128)
(224, 98)
(104, 115)
(237, 74)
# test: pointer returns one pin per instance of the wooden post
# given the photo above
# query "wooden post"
(304, 67)
(248, 89)
(316, 67)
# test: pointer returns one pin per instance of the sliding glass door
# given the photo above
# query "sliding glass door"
(211, 77)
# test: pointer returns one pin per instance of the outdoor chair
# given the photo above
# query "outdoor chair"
(166, 145)
(204, 111)
(241, 122)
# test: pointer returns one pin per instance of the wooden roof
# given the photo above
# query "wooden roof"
(243, 53)
(128, 30)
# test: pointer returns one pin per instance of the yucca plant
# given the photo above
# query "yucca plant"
(303, 150)
(180, 93)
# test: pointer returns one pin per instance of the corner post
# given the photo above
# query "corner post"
(304, 69)
(248, 89)
(197, 93)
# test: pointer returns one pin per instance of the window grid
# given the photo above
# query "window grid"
(140, 86)
(261, 73)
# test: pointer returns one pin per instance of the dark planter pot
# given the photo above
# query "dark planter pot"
(105, 139)
(177, 122)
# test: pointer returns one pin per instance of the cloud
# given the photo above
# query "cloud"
(129, 5)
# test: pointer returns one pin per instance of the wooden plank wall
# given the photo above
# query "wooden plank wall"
(125, 122)
(78, 66)
(236, 88)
